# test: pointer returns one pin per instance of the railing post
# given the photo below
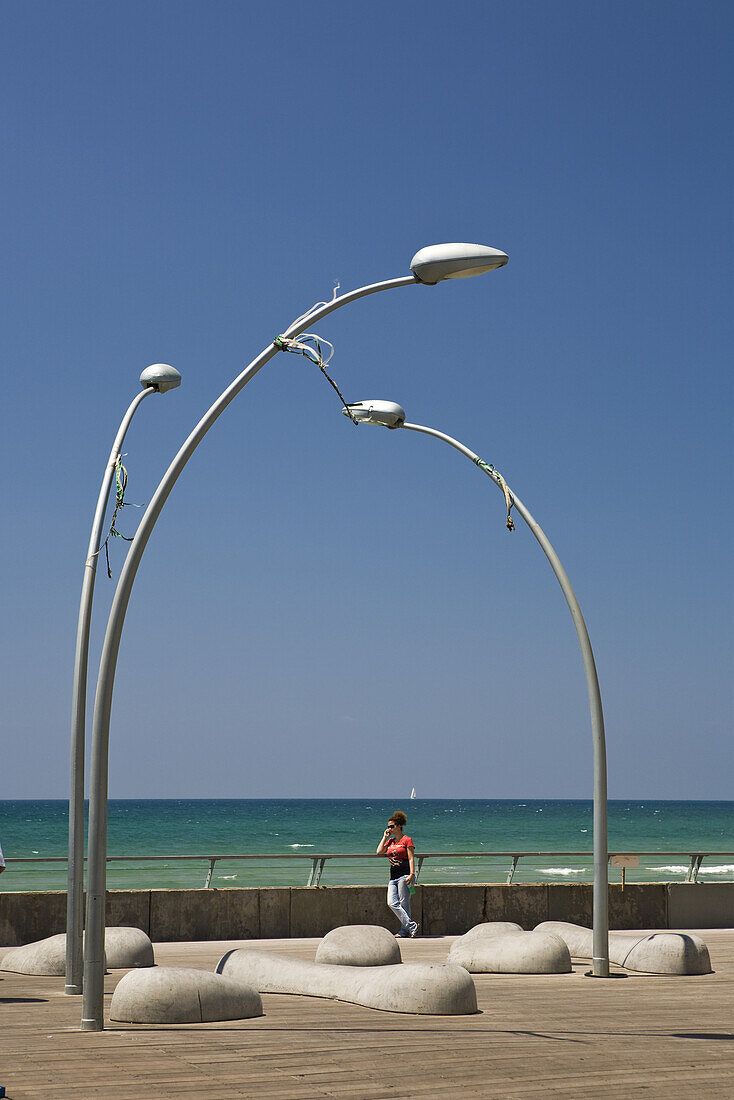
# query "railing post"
(209, 874)
(312, 875)
(318, 873)
(420, 864)
(511, 872)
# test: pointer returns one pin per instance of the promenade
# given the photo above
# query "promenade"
(557, 1036)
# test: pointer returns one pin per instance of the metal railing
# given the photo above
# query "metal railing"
(319, 861)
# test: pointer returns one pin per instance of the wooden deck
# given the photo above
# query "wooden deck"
(555, 1036)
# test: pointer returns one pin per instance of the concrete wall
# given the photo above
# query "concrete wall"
(280, 912)
(705, 905)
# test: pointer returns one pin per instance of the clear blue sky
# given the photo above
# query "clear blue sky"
(325, 610)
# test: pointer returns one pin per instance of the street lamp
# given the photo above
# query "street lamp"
(429, 265)
(455, 261)
(158, 378)
(388, 414)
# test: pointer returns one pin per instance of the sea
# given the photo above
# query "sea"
(492, 831)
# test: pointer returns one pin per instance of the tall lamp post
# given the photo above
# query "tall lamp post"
(387, 414)
(429, 266)
(158, 378)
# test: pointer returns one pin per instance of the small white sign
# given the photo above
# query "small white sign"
(624, 861)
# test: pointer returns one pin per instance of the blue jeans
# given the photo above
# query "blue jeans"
(398, 899)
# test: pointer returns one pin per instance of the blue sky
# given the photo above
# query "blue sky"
(324, 610)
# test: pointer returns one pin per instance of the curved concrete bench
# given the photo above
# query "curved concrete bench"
(488, 929)
(423, 988)
(124, 947)
(511, 953)
(46, 957)
(645, 953)
(359, 945)
(178, 995)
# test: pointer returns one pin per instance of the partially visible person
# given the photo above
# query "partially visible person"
(400, 850)
(2, 861)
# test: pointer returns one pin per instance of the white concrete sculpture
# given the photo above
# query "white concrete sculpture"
(179, 995)
(359, 945)
(46, 957)
(124, 948)
(490, 928)
(423, 988)
(127, 948)
(645, 953)
(511, 953)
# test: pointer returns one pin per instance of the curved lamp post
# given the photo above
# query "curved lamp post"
(157, 378)
(429, 266)
(389, 415)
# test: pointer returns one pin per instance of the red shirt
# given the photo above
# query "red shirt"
(397, 853)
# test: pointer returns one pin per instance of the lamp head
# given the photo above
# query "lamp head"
(385, 413)
(455, 261)
(161, 376)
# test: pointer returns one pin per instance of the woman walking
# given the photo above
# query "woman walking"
(400, 850)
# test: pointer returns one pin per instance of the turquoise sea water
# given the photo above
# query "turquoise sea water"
(306, 827)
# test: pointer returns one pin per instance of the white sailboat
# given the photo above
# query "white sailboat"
(412, 792)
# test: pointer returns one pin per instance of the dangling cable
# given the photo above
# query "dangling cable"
(317, 305)
(499, 480)
(311, 347)
(120, 502)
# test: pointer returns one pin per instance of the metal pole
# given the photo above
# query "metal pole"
(93, 1002)
(75, 881)
(600, 962)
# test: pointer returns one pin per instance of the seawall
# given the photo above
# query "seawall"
(281, 912)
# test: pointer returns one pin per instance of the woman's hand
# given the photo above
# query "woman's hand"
(410, 879)
(382, 846)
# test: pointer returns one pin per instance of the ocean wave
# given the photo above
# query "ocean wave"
(683, 868)
(562, 870)
(226, 876)
(300, 845)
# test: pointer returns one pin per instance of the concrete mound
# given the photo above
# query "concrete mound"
(127, 948)
(46, 957)
(511, 953)
(646, 953)
(490, 928)
(359, 945)
(124, 948)
(669, 953)
(422, 988)
(179, 995)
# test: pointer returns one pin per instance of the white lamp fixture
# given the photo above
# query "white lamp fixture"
(386, 413)
(455, 261)
(161, 376)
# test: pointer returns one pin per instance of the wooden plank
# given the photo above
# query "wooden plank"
(555, 1035)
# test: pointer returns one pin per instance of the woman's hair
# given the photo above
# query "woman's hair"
(399, 818)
